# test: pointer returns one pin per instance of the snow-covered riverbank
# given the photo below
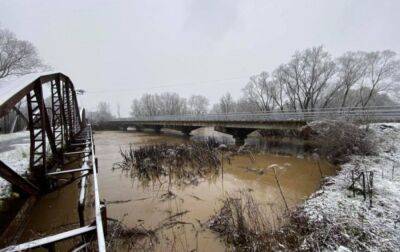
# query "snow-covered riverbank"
(339, 220)
(14, 151)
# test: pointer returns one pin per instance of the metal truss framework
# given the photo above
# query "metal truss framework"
(56, 126)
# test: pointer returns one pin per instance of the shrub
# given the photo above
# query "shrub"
(337, 140)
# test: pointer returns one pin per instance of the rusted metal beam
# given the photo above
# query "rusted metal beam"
(68, 171)
(45, 119)
(14, 229)
(57, 120)
(76, 153)
(63, 109)
(17, 180)
(68, 109)
(20, 114)
(80, 144)
(72, 180)
(62, 112)
(50, 239)
(81, 201)
(6, 106)
(37, 136)
(78, 118)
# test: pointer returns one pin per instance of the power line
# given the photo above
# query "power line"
(167, 85)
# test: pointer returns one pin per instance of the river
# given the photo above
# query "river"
(144, 205)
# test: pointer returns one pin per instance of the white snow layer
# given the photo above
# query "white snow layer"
(16, 158)
(335, 204)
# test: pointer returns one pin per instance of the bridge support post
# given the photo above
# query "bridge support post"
(138, 128)
(186, 130)
(157, 129)
(239, 139)
(239, 134)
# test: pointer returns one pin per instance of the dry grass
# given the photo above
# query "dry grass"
(139, 238)
(182, 164)
(243, 223)
(299, 234)
(136, 238)
(338, 140)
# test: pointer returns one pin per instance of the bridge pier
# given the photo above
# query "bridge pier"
(138, 128)
(186, 130)
(239, 134)
(157, 129)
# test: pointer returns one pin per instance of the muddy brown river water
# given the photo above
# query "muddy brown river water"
(140, 204)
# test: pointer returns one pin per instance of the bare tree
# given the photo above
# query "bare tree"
(245, 105)
(17, 57)
(306, 77)
(102, 114)
(259, 91)
(278, 92)
(198, 104)
(171, 104)
(149, 105)
(226, 104)
(351, 69)
(382, 70)
(155, 104)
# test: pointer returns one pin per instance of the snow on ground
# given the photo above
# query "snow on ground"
(351, 221)
(15, 155)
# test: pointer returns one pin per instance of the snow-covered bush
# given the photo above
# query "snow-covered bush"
(337, 140)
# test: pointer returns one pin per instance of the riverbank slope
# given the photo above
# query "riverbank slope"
(338, 217)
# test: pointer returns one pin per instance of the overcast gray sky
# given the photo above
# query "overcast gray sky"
(118, 50)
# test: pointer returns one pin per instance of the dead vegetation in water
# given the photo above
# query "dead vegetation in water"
(243, 223)
(183, 163)
(122, 237)
(132, 238)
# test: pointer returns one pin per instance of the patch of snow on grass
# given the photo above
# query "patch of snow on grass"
(351, 221)
(12, 136)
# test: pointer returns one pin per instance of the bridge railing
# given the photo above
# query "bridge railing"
(388, 113)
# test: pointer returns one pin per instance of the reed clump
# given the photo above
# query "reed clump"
(243, 223)
(184, 163)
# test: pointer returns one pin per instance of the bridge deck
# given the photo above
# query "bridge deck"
(262, 120)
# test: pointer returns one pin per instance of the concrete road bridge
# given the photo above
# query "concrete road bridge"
(239, 125)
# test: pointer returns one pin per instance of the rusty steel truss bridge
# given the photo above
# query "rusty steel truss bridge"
(59, 136)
